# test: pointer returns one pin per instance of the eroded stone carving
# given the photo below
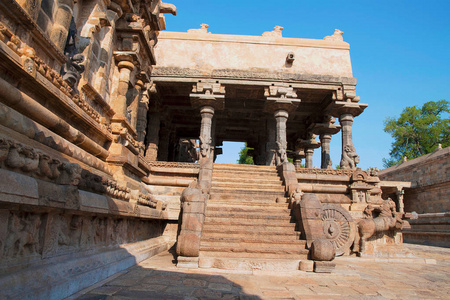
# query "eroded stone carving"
(23, 235)
(387, 219)
(203, 30)
(276, 33)
(337, 36)
(338, 227)
(349, 158)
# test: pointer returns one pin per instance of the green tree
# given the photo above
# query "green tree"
(418, 131)
(244, 158)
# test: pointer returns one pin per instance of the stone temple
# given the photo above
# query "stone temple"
(109, 129)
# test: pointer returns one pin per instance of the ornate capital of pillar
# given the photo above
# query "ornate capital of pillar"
(309, 143)
(126, 59)
(347, 107)
(208, 93)
(281, 97)
(327, 127)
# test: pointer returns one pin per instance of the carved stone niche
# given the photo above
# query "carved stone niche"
(363, 189)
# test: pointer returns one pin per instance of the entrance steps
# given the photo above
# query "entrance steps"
(245, 228)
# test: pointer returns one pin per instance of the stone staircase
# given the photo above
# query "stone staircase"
(245, 228)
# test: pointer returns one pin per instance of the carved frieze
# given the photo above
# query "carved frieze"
(27, 160)
(324, 171)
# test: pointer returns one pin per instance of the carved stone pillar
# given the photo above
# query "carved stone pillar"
(349, 157)
(62, 19)
(309, 158)
(271, 144)
(346, 106)
(141, 124)
(120, 103)
(281, 117)
(281, 99)
(207, 113)
(134, 105)
(401, 205)
(154, 121)
(325, 130)
(308, 144)
(325, 140)
(298, 156)
(208, 96)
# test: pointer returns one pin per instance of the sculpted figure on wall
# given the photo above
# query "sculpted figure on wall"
(387, 219)
(281, 151)
(23, 235)
(205, 146)
(349, 158)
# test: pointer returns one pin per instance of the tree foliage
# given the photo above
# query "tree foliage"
(244, 158)
(418, 131)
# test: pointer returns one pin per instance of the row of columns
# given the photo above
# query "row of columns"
(208, 97)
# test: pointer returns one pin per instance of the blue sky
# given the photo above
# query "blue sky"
(399, 50)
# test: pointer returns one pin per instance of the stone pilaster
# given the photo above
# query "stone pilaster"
(135, 103)
(125, 66)
(62, 19)
(154, 122)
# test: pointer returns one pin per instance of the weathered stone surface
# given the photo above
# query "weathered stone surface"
(324, 266)
(322, 250)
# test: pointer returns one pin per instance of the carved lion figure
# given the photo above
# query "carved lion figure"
(388, 219)
(349, 158)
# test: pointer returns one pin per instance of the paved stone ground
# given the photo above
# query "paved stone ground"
(425, 277)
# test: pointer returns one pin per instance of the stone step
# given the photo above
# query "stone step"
(218, 207)
(236, 193)
(239, 234)
(251, 264)
(277, 215)
(259, 242)
(248, 187)
(257, 203)
(255, 252)
(245, 167)
(244, 179)
(250, 226)
(257, 219)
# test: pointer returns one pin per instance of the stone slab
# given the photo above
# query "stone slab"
(18, 188)
(93, 202)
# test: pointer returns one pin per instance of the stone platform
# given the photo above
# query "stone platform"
(423, 277)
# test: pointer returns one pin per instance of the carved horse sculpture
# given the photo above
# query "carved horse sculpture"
(387, 219)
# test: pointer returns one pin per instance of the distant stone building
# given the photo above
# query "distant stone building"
(429, 196)
(107, 148)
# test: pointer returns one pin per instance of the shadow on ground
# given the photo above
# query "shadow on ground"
(146, 281)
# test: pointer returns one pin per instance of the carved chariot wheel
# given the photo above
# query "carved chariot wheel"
(338, 227)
